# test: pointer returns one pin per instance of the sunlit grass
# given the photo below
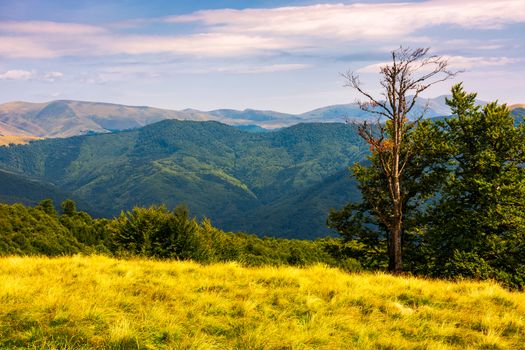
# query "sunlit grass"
(98, 302)
(18, 140)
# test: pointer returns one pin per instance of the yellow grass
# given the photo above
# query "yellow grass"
(99, 302)
(8, 139)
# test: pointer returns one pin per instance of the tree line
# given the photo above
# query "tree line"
(152, 232)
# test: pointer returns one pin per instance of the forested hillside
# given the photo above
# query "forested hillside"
(281, 183)
(15, 188)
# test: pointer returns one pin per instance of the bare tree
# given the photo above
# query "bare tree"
(409, 74)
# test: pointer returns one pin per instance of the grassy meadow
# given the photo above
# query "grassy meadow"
(99, 302)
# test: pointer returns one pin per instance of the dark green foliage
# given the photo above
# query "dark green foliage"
(157, 232)
(185, 238)
(69, 207)
(90, 232)
(477, 228)
(48, 207)
(29, 231)
(137, 232)
(280, 183)
(467, 265)
(153, 232)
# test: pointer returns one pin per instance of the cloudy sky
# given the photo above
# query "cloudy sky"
(265, 54)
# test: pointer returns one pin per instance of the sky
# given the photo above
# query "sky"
(278, 55)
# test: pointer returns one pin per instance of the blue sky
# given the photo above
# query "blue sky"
(273, 54)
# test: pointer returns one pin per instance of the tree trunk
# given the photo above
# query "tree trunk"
(395, 264)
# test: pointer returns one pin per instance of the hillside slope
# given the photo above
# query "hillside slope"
(266, 183)
(64, 118)
(15, 188)
(103, 303)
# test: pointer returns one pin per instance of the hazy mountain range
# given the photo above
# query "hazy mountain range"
(69, 118)
(280, 183)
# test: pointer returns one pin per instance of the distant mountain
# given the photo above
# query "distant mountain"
(336, 113)
(70, 118)
(65, 118)
(275, 183)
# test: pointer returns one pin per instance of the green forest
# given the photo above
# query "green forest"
(275, 184)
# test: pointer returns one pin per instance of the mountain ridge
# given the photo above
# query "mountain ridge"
(65, 118)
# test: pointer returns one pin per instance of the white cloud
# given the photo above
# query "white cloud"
(229, 33)
(361, 21)
(253, 69)
(26, 47)
(53, 76)
(456, 63)
(47, 27)
(461, 62)
(213, 44)
(16, 74)
(206, 45)
(20, 74)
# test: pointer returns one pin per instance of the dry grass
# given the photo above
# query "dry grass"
(517, 105)
(17, 140)
(99, 302)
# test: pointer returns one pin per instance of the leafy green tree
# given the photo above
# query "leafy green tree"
(47, 206)
(69, 207)
(479, 219)
(157, 232)
(86, 230)
(186, 240)
(137, 231)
